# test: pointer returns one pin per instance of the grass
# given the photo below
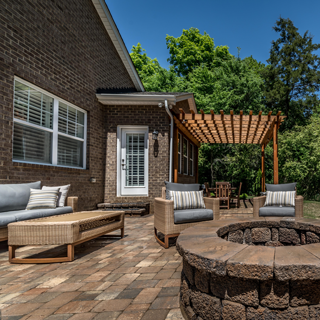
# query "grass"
(311, 209)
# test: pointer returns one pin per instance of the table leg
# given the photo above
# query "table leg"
(70, 250)
(12, 252)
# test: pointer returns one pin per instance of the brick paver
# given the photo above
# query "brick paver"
(129, 279)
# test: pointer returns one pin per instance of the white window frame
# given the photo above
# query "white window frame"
(54, 129)
(192, 159)
(185, 157)
(179, 152)
(119, 158)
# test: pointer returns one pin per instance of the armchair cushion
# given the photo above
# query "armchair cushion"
(281, 187)
(171, 186)
(192, 215)
(274, 211)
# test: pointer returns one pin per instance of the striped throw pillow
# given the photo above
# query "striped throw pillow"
(280, 198)
(187, 199)
(42, 199)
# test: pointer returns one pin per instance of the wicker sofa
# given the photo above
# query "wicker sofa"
(164, 217)
(259, 210)
(14, 199)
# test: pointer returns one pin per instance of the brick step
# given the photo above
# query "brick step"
(131, 208)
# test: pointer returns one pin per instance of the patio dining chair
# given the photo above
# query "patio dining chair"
(224, 191)
(236, 197)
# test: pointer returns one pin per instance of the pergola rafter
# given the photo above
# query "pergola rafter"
(223, 128)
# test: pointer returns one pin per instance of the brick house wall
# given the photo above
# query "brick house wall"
(156, 119)
(62, 47)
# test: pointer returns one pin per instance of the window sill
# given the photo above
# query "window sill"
(18, 163)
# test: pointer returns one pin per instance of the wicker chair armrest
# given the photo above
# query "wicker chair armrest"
(299, 207)
(163, 214)
(163, 192)
(73, 203)
(214, 205)
(258, 202)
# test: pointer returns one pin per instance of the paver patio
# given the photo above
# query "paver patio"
(131, 278)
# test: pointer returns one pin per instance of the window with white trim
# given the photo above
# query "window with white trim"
(179, 153)
(185, 156)
(191, 159)
(47, 130)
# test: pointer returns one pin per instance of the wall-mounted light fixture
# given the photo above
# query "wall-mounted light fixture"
(155, 135)
(93, 180)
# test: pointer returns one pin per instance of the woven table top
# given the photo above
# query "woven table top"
(72, 217)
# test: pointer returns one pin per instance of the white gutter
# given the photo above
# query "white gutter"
(171, 138)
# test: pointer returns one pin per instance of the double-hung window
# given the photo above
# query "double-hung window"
(185, 156)
(191, 159)
(47, 130)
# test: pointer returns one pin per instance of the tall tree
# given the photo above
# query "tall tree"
(234, 85)
(145, 66)
(292, 78)
(193, 49)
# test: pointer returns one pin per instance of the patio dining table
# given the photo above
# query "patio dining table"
(214, 190)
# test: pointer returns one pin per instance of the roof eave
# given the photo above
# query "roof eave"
(144, 99)
(118, 42)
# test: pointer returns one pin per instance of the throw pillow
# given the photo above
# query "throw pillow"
(172, 186)
(280, 198)
(187, 199)
(42, 199)
(63, 192)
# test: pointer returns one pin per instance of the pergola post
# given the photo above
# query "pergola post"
(263, 176)
(275, 153)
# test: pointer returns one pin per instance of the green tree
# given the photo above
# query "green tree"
(234, 85)
(192, 49)
(145, 66)
(299, 157)
(292, 78)
(164, 81)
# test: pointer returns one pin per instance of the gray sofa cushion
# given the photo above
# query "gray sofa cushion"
(16, 196)
(281, 187)
(275, 211)
(192, 215)
(21, 215)
(171, 186)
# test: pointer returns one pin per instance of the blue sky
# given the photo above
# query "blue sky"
(246, 24)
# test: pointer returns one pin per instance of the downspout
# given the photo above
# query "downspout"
(171, 138)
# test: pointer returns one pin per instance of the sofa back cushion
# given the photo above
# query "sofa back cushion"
(171, 186)
(281, 187)
(16, 196)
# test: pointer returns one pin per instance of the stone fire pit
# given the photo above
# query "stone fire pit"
(265, 268)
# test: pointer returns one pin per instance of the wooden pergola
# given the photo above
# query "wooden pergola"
(223, 128)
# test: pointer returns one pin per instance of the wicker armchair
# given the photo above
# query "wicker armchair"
(164, 218)
(258, 202)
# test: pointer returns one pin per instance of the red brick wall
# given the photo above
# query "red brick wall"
(62, 47)
(156, 119)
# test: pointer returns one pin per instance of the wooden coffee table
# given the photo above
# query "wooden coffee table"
(70, 229)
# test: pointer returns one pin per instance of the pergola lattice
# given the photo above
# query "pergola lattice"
(222, 128)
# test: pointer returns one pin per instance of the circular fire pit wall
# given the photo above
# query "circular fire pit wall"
(255, 269)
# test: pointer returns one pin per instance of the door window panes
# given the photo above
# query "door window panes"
(135, 159)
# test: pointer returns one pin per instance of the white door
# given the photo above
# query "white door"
(134, 162)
